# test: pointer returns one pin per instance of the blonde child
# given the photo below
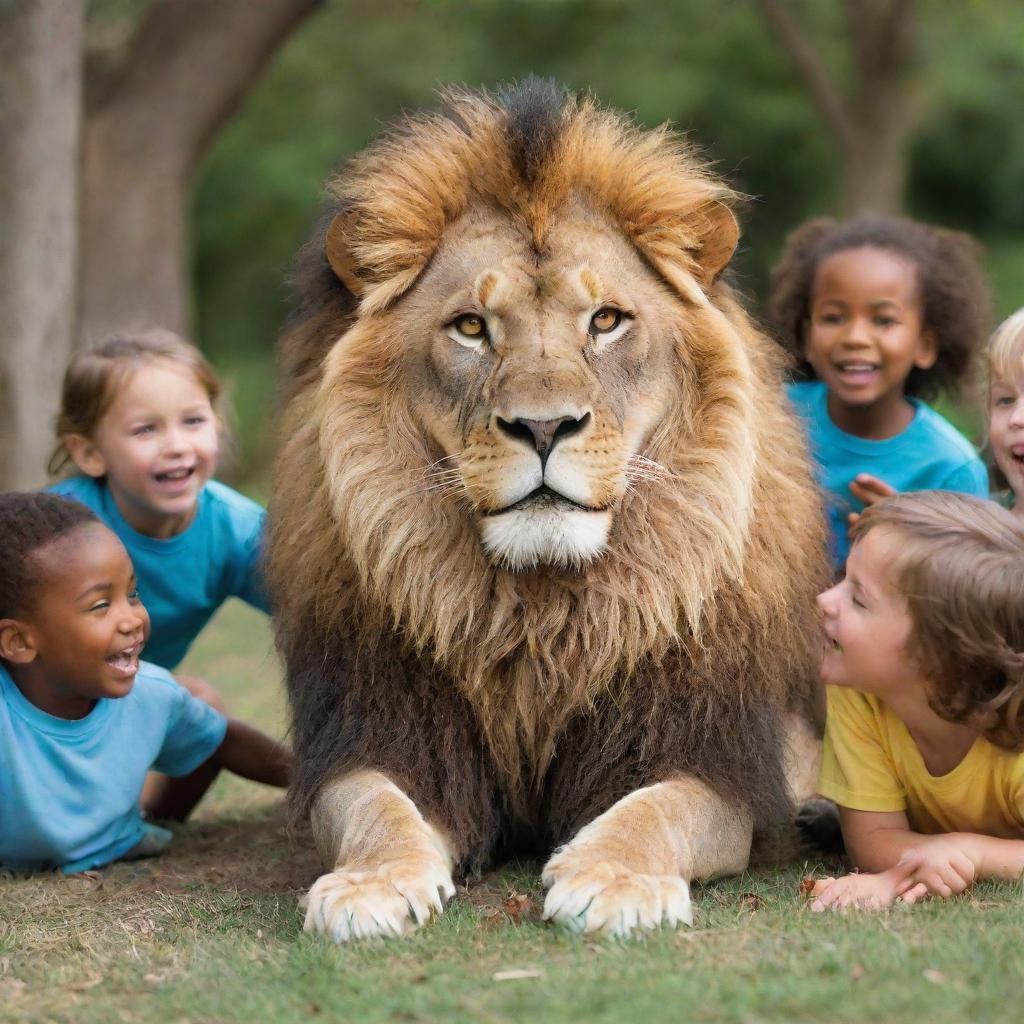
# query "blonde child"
(882, 314)
(1005, 363)
(140, 429)
(82, 718)
(924, 665)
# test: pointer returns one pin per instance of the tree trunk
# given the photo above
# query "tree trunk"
(188, 67)
(40, 115)
(873, 123)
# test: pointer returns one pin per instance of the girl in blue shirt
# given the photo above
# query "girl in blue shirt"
(82, 718)
(139, 427)
(881, 314)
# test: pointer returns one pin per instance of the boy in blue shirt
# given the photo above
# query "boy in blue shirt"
(82, 719)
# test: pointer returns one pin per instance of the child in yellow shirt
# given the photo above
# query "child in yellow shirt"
(924, 662)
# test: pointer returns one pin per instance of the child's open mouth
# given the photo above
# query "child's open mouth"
(175, 480)
(125, 663)
(857, 371)
(181, 473)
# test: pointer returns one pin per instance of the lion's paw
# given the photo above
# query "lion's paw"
(392, 899)
(601, 896)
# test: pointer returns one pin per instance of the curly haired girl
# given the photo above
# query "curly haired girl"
(882, 314)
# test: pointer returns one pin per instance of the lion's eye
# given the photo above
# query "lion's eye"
(604, 321)
(471, 326)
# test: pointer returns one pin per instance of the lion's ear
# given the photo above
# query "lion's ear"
(719, 234)
(340, 257)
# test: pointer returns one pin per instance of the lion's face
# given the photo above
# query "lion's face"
(537, 378)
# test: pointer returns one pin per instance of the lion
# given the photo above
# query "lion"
(544, 540)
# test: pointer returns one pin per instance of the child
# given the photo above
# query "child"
(1005, 358)
(882, 314)
(924, 663)
(139, 423)
(82, 719)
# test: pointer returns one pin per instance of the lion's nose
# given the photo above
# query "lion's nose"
(543, 435)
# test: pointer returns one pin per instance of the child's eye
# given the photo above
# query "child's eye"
(858, 603)
(195, 421)
(146, 428)
(99, 606)
(1004, 400)
(831, 318)
(133, 595)
(884, 321)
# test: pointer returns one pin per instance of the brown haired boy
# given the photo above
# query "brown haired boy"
(924, 660)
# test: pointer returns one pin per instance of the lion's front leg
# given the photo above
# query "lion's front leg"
(631, 867)
(392, 870)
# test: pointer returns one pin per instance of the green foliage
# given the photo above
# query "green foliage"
(711, 69)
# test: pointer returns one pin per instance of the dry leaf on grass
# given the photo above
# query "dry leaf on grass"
(811, 887)
(752, 902)
(517, 974)
(518, 906)
(935, 976)
(857, 972)
(84, 881)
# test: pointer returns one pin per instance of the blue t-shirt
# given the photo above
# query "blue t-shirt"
(69, 790)
(929, 455)
(183, 580)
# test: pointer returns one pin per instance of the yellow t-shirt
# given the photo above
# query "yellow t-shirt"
(871, 763)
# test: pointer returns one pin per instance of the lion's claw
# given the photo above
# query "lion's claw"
(390, 900)
(604, 897)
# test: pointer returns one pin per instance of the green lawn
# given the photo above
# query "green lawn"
(210, 933)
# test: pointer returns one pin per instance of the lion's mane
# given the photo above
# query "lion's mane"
(515, 706)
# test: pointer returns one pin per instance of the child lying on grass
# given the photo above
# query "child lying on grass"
(82, 719)
(924, 662)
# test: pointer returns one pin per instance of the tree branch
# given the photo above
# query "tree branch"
(778, 14)
(188, 67)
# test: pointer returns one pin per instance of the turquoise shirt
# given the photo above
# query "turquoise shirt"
(183, 580)
(929, 455)
(69, 790)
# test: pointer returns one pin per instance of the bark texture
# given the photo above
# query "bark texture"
(188, 67)
(40, 113)
(873, 120)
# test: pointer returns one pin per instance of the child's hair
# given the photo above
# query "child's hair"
(1004, 354)
(954, 295)
(29, 521)
(95, 374)
(1004, 359)
(960, 568)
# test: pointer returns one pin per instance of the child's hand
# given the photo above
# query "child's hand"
(862, 891)
(938, 867)
(869, 490)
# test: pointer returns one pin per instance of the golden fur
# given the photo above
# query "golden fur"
(714, 550)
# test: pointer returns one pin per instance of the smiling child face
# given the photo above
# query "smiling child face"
(866, 622)
(1006, 431)
(85, 625)
(866, 330)
(157, 445)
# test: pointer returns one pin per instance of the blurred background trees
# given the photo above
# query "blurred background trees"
(897, 104)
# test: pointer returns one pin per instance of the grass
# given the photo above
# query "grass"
(210, 933)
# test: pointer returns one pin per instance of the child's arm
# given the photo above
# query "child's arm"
(253, 755)
(900, 863)
(877, 842)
